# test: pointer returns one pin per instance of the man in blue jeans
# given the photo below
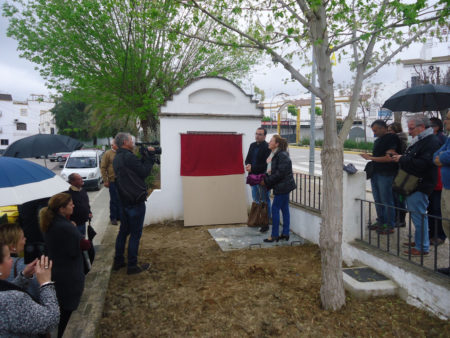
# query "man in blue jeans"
(418, 161)
(130, 181)
(384, 171)
(255, 163)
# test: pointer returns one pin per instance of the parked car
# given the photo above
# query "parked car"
(86, 163)
(58, 157)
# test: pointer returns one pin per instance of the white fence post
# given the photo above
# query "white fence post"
(354, 186)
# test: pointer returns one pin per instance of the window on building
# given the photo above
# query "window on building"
(4, 142)
(21, 126)
(23, 112)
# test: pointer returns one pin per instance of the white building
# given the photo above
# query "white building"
(19, 119)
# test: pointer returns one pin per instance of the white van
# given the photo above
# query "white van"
(86, 163)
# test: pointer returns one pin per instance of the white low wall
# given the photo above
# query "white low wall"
(415, 289)
(306, 223)
(418, 291)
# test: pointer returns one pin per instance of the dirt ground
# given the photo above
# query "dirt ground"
(195, 289)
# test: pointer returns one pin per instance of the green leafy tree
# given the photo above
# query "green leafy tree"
(318, 111)
(123, 57)
(71, 119)
(292, 110)
(366, 33)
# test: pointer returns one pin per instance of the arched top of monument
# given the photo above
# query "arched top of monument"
(213, 96)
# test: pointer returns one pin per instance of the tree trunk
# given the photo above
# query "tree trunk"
(144, 126)
(398, 117)
(332, 293)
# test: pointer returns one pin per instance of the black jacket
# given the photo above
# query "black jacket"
(281, 178)
(82, 208)
(130, 175)
(418, 161)
(261, 165)
(63, 245)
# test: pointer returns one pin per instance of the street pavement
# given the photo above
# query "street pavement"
(300, 160)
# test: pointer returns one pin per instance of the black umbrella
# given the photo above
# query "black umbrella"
(42, 145)
(420, 98)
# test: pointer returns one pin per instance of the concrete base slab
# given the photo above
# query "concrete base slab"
(249, 238)
(363, 282)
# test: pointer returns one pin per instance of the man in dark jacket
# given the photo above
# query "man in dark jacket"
(255, 163)
(418, 161)
(384, 171)
(82, 209)
(130, 179)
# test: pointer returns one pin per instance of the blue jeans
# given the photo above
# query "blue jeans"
(280, 202)
(131, 224)
(114, 202)
(417, 204)
(256, 190)
(382, 193)
(82, 228)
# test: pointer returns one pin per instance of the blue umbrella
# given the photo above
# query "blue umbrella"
(23, 181)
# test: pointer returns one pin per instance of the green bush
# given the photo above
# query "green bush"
(351, 144)
(348, 144)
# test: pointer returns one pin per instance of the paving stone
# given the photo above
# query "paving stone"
(245, 237)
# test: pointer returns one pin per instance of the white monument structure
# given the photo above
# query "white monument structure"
(208, 105)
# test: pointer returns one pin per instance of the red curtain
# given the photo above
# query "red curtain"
(211, 154)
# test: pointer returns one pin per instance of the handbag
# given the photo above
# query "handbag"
(259, 215)
(253, 216)
(405, 184)
(369, 169)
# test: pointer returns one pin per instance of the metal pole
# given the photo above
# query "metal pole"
(312, 123)
(297, 130)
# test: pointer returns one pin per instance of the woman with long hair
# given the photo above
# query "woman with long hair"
(23, 315)
(62, 239)
(280, 178)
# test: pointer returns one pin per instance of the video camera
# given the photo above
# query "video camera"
(145, 152)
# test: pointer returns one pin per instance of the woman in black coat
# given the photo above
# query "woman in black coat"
(63, 244)
(280, 178)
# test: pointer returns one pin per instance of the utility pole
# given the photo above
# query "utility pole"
(312, 123)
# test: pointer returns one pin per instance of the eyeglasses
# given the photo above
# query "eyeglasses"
(258, 134)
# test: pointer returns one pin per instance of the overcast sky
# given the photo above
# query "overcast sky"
(19, 78)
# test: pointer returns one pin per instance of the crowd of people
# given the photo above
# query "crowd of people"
(426, 159)
(392, 157)
(38, 298)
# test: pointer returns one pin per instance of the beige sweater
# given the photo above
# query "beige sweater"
(107, 166)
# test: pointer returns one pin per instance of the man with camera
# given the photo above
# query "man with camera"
(130, 180)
